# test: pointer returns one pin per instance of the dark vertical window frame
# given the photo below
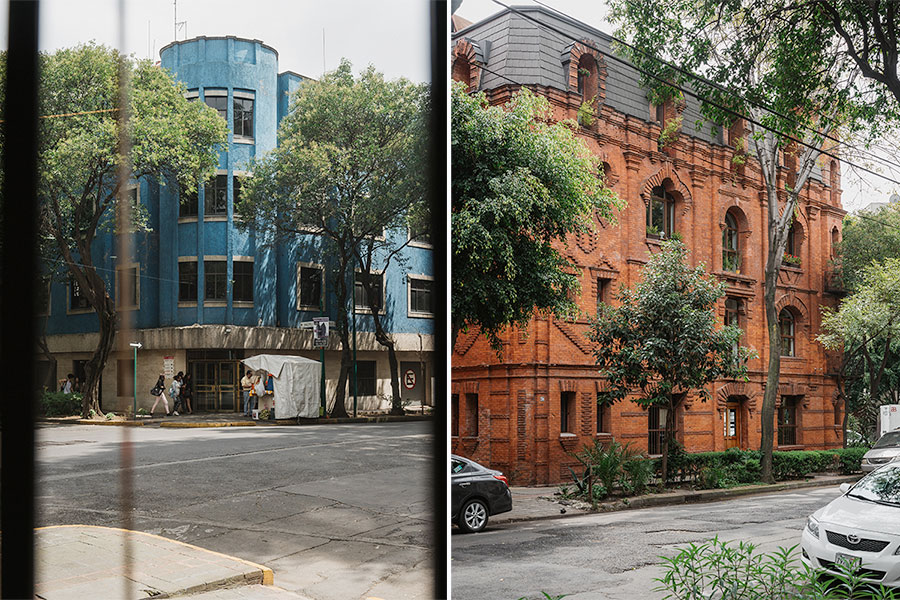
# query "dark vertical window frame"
(18, 262)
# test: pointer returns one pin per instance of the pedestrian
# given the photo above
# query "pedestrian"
(69, 385)
(187, 392)
(247, 391)
(159, 390)
(175, 390)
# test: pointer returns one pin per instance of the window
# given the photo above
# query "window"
(731, 257)
(791, 246)
(603, 410)
(218, 100)
(656, 429)
(187, 207)
(604, 289)
(236, 190)
(660, 213)
(376, 281)
(421, 299)
(127, 287)
(733, 317)
(661, 114)
(472, 415)
(365, 377)
(587, 77)
(187, 281)
(786, 325)
(787, 421)
(215, 279)
(454, 414)
(215, 200)
(125, 377)
(567, 412)
(309, 285)
(77, 301)
(243, 117)
(243, 281)
(835, 242)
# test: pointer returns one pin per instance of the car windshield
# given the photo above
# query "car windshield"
(889, 440)
(882, 486)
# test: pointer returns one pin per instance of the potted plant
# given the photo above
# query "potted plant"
(653, 232)
(790, 259)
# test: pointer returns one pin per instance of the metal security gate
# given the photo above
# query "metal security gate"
(216, 385)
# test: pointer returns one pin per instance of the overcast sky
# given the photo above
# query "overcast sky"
(391, 34)
(859, 189)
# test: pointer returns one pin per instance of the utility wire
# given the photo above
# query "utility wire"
(75, 114)
(722, 88)
(693, 94)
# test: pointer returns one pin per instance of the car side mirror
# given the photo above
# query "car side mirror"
(845, 487)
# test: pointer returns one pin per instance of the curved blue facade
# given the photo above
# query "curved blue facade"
(240, 78)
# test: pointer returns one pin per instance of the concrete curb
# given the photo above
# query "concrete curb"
(676, 498)
(345, 420)
(115, 423)
(189, 425)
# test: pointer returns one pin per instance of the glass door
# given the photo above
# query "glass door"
(228, 388)
(733, 425)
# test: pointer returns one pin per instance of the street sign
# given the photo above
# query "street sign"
(320, 332)
(409, 379)
(169, 366)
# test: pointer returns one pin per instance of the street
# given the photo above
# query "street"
(614, 556)
(338, 511)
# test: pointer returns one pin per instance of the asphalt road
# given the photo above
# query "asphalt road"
(614, 556)
(338, 512)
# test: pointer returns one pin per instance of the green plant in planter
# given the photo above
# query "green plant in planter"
(669, 133)
(731, 262)
(653, 231)
(586, 112)
(790, 259)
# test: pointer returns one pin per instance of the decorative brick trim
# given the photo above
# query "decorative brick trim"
(467, 50)
(567, 385)
(581, 342)
(656, 180)
(466, 343)
(793, 301)
(571, 55)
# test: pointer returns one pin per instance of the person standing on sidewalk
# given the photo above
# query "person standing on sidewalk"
(187, 392)
(159, 390)
(176, 392)
(246, 389)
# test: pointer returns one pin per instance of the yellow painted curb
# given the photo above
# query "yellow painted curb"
(182, 425)
(268, 576)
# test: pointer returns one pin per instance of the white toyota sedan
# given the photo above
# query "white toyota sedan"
(860, 530)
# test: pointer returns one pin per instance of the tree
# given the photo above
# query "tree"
(755, 61)
(867, 329)
(350, 169)
(663, 337)
(866, 239)
(170, 138)
(519, 185)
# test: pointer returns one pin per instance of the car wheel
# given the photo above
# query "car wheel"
(473, 517)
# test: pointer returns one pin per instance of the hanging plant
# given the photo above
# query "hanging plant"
(670, 132)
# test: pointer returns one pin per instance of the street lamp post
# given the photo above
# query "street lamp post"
(135, 345)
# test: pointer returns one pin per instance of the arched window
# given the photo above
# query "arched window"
(660, 213)
(786, 326)
(835, 241)
(731, 255)
(587, 77)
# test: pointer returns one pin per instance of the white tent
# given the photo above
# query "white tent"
(297, 382)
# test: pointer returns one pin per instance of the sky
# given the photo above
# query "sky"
(859, 188)
(394, 35)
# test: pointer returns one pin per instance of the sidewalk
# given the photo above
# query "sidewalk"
(73, 562)
(229, 419)
(540, 503)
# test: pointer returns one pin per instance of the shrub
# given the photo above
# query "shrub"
(721, 570)
(850, 459)
(58, 404)
(636, 474)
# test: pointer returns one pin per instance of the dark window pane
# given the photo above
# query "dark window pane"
(187, 281)
(243, 117)
(126, 287)
(243, 281)
(365, 377)
(216, 196)
(220, 103)
(77, 301)
(215, 279)
(362, 300)
(420, 297)
(187, 207)
(311, 287)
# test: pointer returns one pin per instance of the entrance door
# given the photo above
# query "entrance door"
(215, 385)
(733, 429)
(228, 388)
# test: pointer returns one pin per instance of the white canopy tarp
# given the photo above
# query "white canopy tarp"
(297, 382)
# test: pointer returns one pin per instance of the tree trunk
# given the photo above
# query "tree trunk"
(106, 315)
(670, 427)
(49, 382)
(767, 415)
(385, 340)
(339, 410)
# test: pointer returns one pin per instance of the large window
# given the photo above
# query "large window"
(731, 256)
(188, 205)
(243, 281)
(365, 377)
(604, 292)
(567, 412)
(77, 300)
(376, 281)
(656, 429)
(215, 279)
(215, 200)
(733, 317)
(787, 421)
(604, 407)
(786, 325)
(420, 296)
(309, 286)
(127, 287)
(217, 99)
(243, 117)
(187, 281)
(660, 214)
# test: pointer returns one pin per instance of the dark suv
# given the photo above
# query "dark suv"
(476, 493)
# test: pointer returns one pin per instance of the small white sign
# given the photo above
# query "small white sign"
(320, 332)
(169, 366)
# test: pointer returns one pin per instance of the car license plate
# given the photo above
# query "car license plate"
(848, 561)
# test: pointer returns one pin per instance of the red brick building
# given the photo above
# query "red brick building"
(523, 413)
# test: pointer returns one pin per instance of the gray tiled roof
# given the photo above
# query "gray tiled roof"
(530, 54)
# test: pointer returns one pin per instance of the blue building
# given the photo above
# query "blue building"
(204, 294)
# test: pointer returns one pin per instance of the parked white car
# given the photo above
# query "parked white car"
(885, 450)
(860, 529)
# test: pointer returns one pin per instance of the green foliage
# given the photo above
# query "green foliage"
(851, 459)
(520, 184)
(58, 404)
(790, 259)
(586, 112)
(670, 132)
(866, 241)
(725, 570)
(609, 467)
